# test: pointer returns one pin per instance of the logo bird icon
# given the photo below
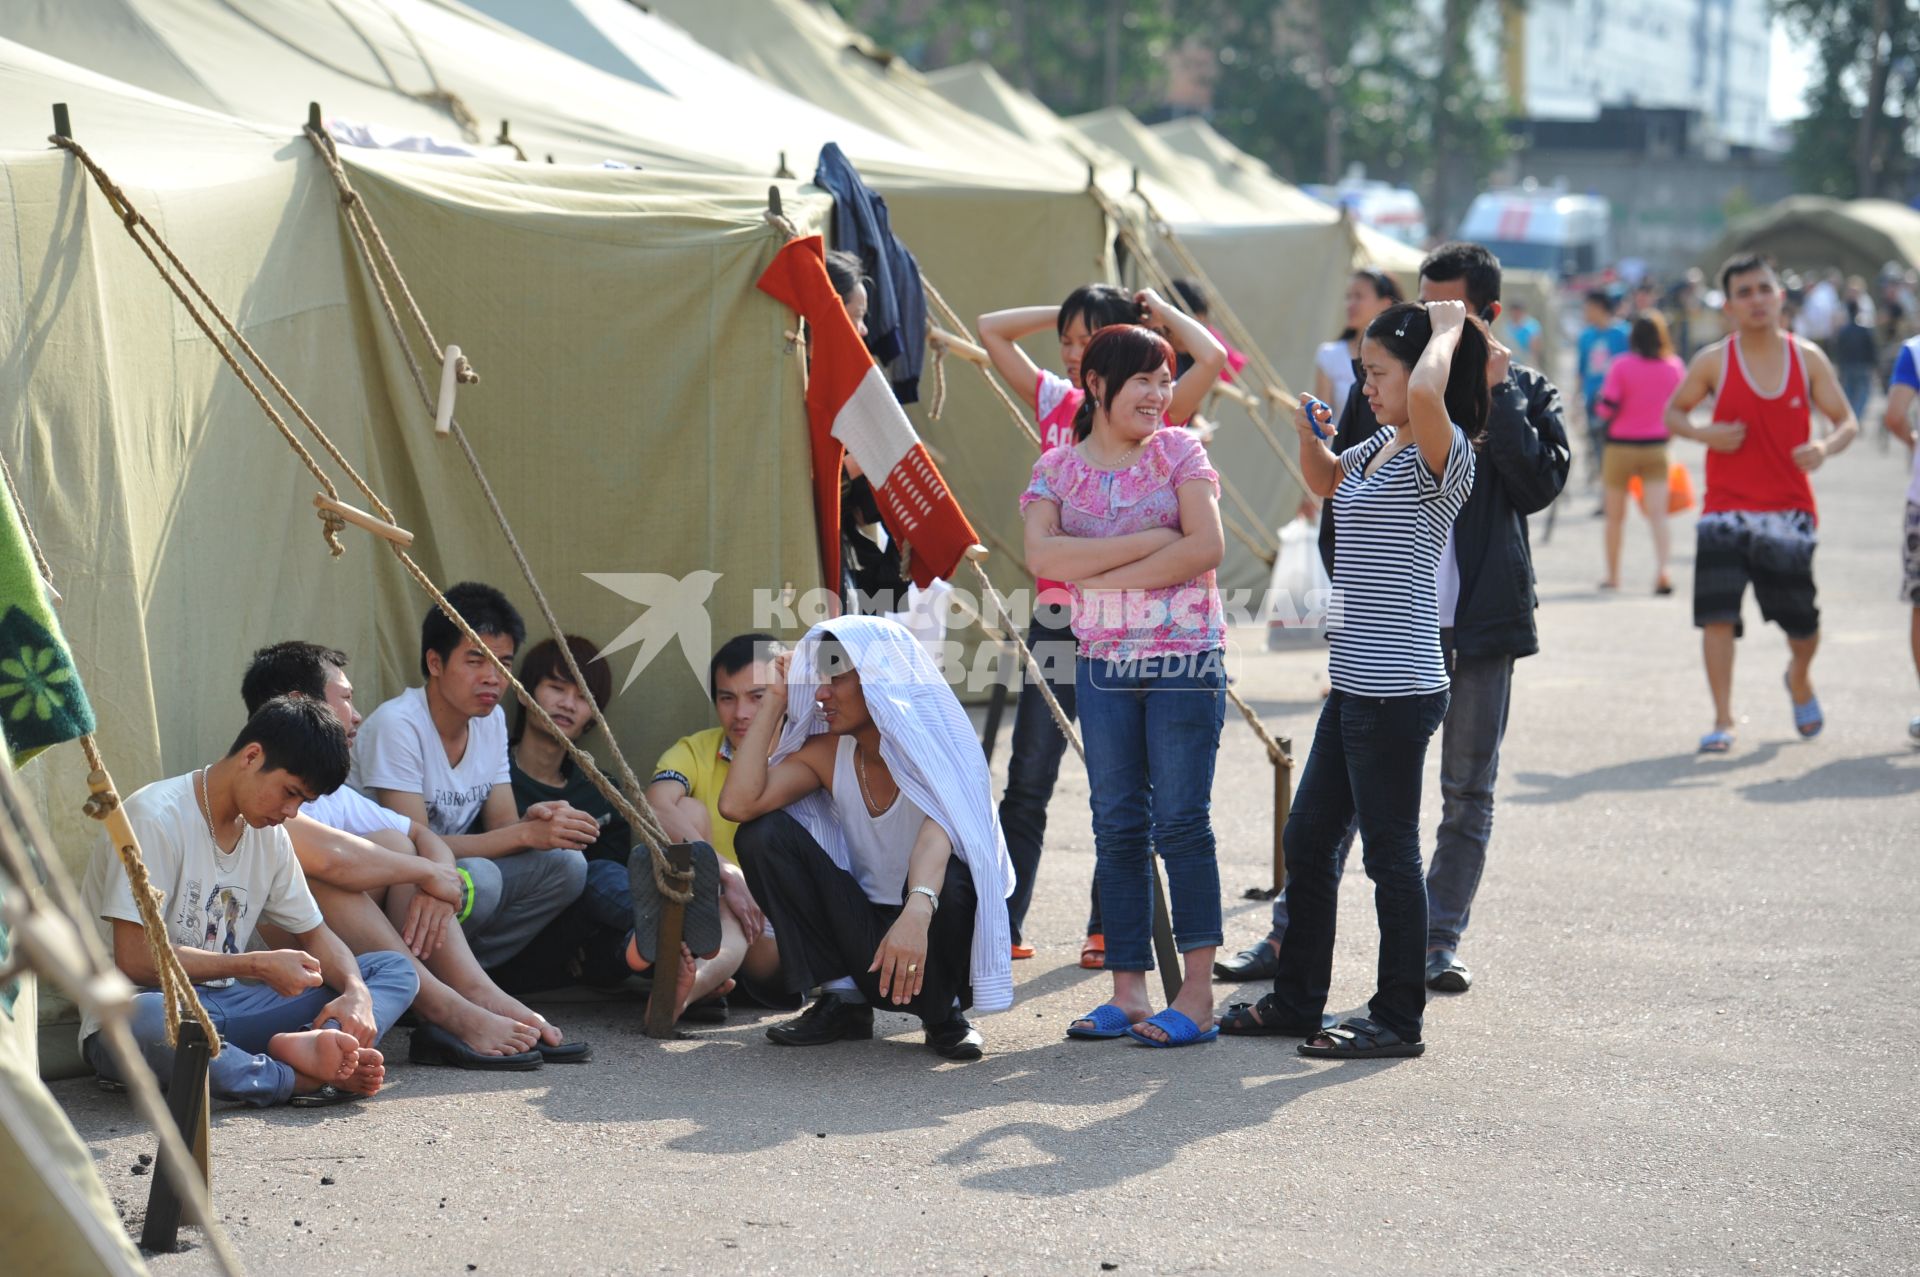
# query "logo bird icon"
(676, 609)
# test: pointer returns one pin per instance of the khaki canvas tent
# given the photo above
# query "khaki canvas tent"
(639, 410)
(1810, 232)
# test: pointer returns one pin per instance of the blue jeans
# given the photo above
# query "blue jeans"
(248, 1015)
(1469, 763)
(1152, 735)
(1366, 763)
(1034, 767)
(608, 897)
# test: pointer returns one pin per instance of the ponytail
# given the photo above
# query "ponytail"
(1083, 418)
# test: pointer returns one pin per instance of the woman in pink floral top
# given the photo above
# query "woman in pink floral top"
(1129, 517)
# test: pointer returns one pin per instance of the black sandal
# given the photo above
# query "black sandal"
(1248, 1020)
(1359, 1039)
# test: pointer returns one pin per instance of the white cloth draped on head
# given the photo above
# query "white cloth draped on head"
(928, 743)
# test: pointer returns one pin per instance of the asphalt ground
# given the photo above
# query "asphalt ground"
(1689, 1047)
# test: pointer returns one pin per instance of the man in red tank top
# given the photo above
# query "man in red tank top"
(1757, 522)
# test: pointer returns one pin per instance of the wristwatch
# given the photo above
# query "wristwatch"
(933, 897)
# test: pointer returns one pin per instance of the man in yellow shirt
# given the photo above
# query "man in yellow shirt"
(685, 793)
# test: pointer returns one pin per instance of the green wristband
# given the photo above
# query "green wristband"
(466, 910)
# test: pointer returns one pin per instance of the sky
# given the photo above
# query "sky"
(1789, 69)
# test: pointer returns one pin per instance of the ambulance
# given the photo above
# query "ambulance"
(1542, 228)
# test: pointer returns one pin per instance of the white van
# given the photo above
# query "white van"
(1543, 229)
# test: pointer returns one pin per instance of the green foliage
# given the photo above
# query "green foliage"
(1310, 86)
(1865, 48)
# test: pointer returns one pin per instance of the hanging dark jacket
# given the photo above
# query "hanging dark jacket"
(1521, 467)
(896, 302)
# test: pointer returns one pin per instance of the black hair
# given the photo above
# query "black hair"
(1385, 287)
(1117, 352)
(736, 654)
(300, 736)
(1192, 297)
(544, 661)
(480, 606)
(1098, 306)
(1599, 297)
(1403, 331)
(831, 658)
(1474, 263)
(288, 669)
(1744, 263)
(845, 271)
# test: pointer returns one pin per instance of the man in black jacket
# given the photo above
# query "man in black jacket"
(1486, 615)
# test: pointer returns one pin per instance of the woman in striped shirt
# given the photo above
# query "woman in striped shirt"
(1394, 499)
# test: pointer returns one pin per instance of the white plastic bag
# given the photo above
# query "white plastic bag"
(1297, 595)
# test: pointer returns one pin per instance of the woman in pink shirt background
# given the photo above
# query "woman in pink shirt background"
(1633, 402)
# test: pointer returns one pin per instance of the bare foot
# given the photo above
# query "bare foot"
(683, 989)
(489, 995)
(324, 1055)
(369, 1073)
(490, 1033)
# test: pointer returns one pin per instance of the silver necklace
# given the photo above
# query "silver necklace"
(206, 810)
(860, 774)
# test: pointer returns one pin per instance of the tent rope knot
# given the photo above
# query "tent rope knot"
(331, 526)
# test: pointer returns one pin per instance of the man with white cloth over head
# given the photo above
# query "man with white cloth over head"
(870, 839)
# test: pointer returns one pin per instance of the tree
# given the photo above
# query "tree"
(1857, 139)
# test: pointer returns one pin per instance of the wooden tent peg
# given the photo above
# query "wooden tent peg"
(361, 519)
(449, 377)
(967, 350)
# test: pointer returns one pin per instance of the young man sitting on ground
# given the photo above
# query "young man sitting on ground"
(438, 755)
(296, 1023)
(871, 840)
(384, 882)
(685, 795)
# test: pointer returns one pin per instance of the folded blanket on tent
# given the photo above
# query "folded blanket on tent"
(928, 743)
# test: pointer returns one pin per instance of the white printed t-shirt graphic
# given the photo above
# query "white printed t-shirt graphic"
(399, 748)
(214, 899)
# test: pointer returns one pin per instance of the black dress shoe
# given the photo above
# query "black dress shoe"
(956, 1039)
(829, 1019)
(1445, 974)
(1261, 962)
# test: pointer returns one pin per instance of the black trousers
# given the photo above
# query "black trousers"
(828, 929)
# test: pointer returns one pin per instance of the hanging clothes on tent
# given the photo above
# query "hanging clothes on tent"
(896, 303)
(850, 409)
(41, 700)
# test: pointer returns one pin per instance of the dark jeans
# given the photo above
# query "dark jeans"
(1152, 735)
(1469, 764)
(1366, 763)
(1038, 744)
(829, 930)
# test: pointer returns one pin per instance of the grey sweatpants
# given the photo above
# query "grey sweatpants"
(515, 896)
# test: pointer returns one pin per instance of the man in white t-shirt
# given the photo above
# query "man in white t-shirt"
(297, 1023)
(385, 882)
(438, 755)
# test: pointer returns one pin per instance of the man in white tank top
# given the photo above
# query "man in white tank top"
(893, 928)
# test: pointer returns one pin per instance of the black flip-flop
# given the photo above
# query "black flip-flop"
(324, 1098)
(701, 930)
(432, 1044)
(1361, 1039)
(706, 1011)
(565, 1053)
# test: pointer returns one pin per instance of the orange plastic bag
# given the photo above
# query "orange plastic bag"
(1679, 490)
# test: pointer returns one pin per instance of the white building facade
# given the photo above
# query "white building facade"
(1710, 55)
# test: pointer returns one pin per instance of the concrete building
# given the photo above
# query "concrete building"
(1566, 59)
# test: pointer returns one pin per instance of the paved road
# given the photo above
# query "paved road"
(1689, 1048)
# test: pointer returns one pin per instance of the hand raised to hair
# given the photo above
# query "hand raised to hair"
(1446, 316)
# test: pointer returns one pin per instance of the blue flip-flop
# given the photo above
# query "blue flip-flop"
(1717, 741)
(1807, 719)
(1179, 1029)
(1109, 1021)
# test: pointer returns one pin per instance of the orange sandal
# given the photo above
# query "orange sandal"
(1093, 954)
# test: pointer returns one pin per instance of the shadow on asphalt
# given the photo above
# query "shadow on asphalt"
(1674, 771)
(1870, 776)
